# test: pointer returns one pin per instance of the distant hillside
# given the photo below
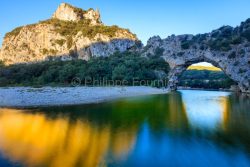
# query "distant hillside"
(206, 79)
(210, 68)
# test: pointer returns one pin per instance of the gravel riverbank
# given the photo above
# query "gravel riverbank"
(53, 96)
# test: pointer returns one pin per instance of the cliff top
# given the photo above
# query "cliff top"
(68, 20)
(67, 12)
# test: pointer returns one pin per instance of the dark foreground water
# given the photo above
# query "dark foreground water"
(189, 128)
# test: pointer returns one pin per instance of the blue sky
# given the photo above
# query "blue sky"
(143, 17)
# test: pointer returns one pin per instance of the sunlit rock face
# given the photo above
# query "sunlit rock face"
(227, 48)
(67, 12)
(71, 33)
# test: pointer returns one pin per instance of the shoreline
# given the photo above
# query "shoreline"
(25, 97)
(189, 88)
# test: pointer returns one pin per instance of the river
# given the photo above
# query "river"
(186, 128)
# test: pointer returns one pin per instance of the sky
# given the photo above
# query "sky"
(145, 18)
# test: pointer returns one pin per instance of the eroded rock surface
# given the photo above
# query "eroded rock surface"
(227, 48)
(67, 12)
(71, 33)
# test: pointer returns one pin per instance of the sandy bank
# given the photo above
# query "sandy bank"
(50, 96)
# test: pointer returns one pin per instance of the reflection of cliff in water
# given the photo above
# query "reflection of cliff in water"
(83, 136)
(236, 125)
(36, 140)
(160, 112)
(87, 135)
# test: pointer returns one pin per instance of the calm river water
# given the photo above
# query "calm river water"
(188, 128)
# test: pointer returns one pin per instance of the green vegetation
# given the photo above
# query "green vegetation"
(120, 66)
(51, 51)
(159, 52)
(60, 42)
(232, 55)
(223, 38)
(205, 79)
(14, 32)
(245, 29)
(220, 40)
(45, 51)
(1, 64)
(79, 11)
(185, 44)
(212, 68)
(70, 28)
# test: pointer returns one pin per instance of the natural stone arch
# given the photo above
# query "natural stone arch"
(176, 72)
(235, 63)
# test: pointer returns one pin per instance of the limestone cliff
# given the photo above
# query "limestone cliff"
(227, 48)
(71, 33)
(67, 12)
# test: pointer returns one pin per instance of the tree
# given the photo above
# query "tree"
(119, 73)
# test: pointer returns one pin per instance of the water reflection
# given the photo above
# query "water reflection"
(207, 110)
(35, 140)
(191, 128)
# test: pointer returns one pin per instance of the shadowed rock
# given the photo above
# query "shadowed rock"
(227, 48)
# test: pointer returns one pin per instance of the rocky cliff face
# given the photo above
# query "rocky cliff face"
(71, 33)
(67, 12)
(227, 48)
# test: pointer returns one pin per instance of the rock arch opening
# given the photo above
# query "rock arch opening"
(181, 51)
(230, 78)
(205, 76)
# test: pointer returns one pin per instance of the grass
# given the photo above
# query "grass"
(204, 68)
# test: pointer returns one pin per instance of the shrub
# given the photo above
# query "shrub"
(236, 40)
(69, 42)
(232, 55)
(246, 34)
(1, 63)
(185, 45)
(73, 54)
(53, 51)
(70, 28)
(220, 44)
(242, 71)
(45, 51)
(200, 38)
(236, 63)
(180, 54)
(202, 47)
(60, 42)
(119, 72)
(242, 52)
(159, 52)
(14, 32)
(226, 32)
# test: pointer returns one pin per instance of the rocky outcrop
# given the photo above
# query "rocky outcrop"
(71, 33)
(227, 48)
(67, 12)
